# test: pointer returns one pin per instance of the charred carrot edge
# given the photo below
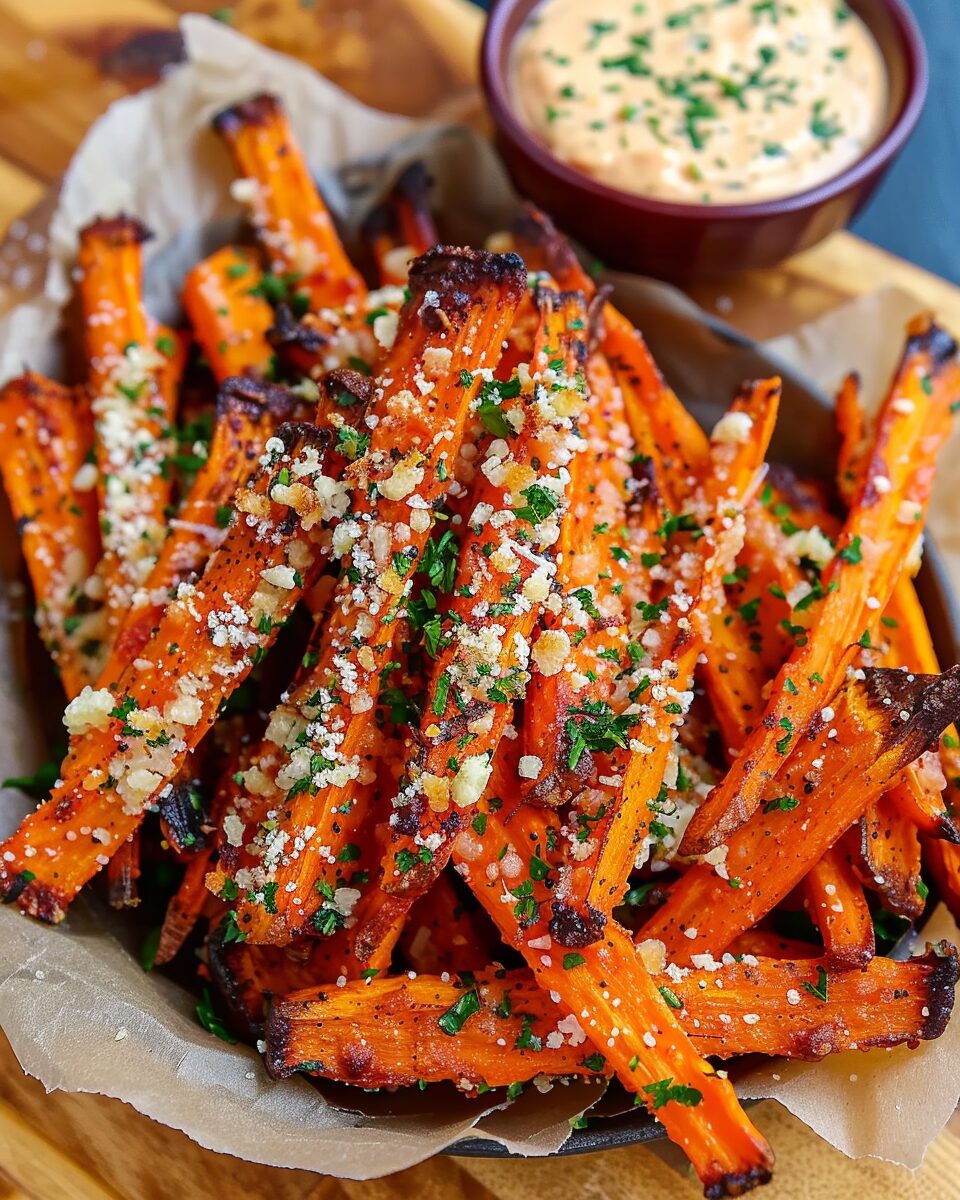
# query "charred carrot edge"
(834, 899)
(856, 750)
(128, 743)
(461, 306)
(132, 412)
(45, 438)
(910, 431)
(681, 629)
(630, 1021)
(758, 1006)
(890, 856)
(504, 565)
(401, 227)
(248, 414)
(230, 317)
(291, 219)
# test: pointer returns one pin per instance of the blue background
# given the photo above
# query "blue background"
(916, 212)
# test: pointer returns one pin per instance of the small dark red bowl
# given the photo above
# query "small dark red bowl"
(686, 241)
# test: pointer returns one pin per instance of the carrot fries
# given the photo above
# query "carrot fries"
(849, 757)
(248, 414)
(876, 539)
(466, 713)
(401, 228)
(128, 742)
(631, 1024)
(460, 308)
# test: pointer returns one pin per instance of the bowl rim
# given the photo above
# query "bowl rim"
(497, 92)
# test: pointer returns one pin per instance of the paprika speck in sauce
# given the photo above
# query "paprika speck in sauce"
(719, 102)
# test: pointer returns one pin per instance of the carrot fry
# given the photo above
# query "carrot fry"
(630, 1021)
(401, 227)
(890, 856)
(876, 540)
(224, 301)
(248, 976)
(291, 219)
(619, 824)
(837, 906)
(852, 427)
(185, 907)
(827, 783)
(45, 437)
(516, 1031)
(133, 407)
(503, 578)
(461, 306)
(248, 413)
(593, 569)
(128, 743)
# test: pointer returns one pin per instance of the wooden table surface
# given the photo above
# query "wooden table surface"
(61, 64)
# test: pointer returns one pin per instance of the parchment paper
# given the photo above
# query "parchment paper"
(79, 1012)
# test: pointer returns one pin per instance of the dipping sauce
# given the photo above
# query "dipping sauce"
(719, 102)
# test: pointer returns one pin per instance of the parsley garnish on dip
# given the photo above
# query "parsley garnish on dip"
(719, 102)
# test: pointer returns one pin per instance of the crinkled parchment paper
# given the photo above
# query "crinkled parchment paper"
(78, 1010)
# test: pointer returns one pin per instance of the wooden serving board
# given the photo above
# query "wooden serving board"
(61, 64)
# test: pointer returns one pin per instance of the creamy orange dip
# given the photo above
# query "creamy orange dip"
(720, 102)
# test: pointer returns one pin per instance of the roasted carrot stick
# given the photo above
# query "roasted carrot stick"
(230, 316)
(507, 1030)
(128, 743)
(596, 875)
(291, 219)
(502, 580)
(248, 977)
(587, 632)
(462, 303)
(630, 1021)
(248, 413)
(45, 437)
(834, 898)
(875, 729)
(878, 535)
(133, 410)
(651, 404)
(852, 427)
(401, 227)
(890, 857)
